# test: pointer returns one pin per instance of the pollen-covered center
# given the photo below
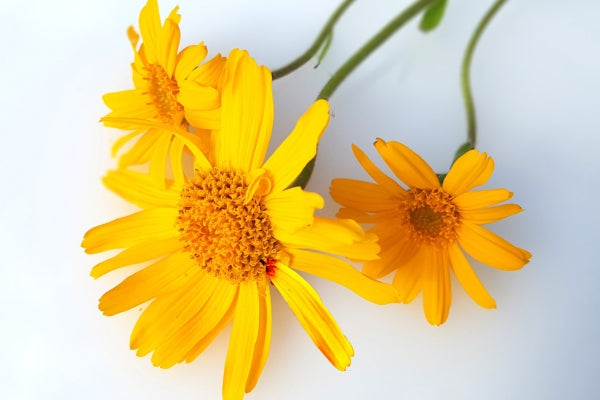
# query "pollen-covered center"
(163, 91)
(227, 236)
(431, 216)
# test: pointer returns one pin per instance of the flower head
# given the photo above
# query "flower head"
(171, 89)
(219, 236)
(423, 230)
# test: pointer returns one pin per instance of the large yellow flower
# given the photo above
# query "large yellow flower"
(424, 230)
(222, 235)
(170, 88)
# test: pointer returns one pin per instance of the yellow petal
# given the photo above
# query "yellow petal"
(140, 189)
(137, 254)
(207, 339)
(210, 73)
(143, 226)
(481, 198)
(437, 291)
(205, 140)
(471, 169)
(200, 330)
(363, 196)
(396, 250)
(195, 96)
(313, 316)
(174, 16)
(168, 43)
(133, 37)
(159, 157)
(385, 181)
(337, 236)
(168, 313)
(131, 103)
(176, 154)
(358, 216)
(468, 279)
(141, 151)
(242, 342)
(342, 273)
(259, 184)
(488, 215)
(299, 147)
(491, 249)
(293, 209)
(246, 114)
(409, 277)
(149, 23)
(263, 341)
(193, 142)
(161, 277)
(407, 165)
(119, 143)
(188, 59)
(138, 69)
(204, 119)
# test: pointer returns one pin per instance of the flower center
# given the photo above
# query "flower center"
(227, 236)
(163, 92)
(431, 216)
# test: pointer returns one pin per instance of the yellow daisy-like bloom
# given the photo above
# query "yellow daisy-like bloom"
(222, 235)
(171, 89)
(424, 230)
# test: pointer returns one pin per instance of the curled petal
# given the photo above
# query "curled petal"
(313, 316)
(471, 169)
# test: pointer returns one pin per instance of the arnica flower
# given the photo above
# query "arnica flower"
(224, 236)
(424, 230)
(171, 88)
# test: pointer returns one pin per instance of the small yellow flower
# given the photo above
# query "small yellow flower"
(170, 89)
(221, 237)
(424, 230)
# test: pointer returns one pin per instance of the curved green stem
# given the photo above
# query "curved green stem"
(362, 53)
(466, 69)
(325, 32)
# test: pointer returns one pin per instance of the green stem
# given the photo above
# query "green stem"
(362, 53)
(353, 62)
(466, 69)
(325, 32)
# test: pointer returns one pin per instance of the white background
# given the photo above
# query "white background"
(536, 82)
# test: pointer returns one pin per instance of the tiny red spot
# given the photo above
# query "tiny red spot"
(270, 266)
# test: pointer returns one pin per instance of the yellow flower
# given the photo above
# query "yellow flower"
(170, 88)
(424, 230)
(222, 235)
